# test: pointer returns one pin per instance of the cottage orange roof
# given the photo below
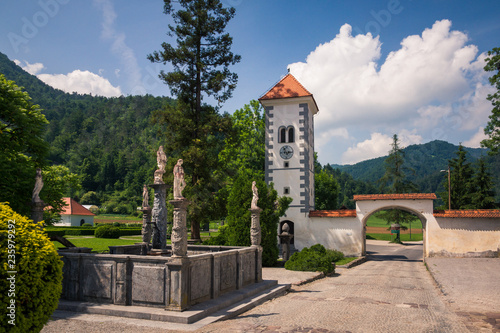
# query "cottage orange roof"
(74, 208)
(395, 196)
(287, 87)
(494, 213)
(333, 213)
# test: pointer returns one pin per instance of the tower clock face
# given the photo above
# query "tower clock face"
(286, 152)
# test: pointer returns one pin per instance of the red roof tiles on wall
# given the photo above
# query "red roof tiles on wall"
(333, 213)
(491, 213)
(396, 196)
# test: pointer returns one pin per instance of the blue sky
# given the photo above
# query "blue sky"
(375, 68)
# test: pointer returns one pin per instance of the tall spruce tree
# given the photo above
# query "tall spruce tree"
(483, 196)
(394, 181)
(492, 129)
(200, 59)
(461, 173)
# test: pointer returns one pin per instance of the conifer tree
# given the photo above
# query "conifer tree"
(461, 177)
(394, 181)
(193, 129)
(482, 196)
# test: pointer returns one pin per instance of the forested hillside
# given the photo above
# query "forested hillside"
(427, 160)
(110, 142)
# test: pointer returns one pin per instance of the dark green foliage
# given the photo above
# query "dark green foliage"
(80, 232)
(239, 220)
(326, 191)
(314, 259)
(22, 147)
(116, 224)
(38, 277)
(107, 231)
(492, 129)
(87, 225)
(483, 196)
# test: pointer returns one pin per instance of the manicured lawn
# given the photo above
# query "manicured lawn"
(404, 237)
(374, 221)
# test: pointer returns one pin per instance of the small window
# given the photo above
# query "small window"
(291, 134)
(282, 135)
(287, 164)
(286, 190)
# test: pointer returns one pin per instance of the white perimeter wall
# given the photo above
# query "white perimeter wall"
(74, 220)
(463, 237)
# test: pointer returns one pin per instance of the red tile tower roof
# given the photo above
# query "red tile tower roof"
(396, 196)
(74, 208)
(287, 87)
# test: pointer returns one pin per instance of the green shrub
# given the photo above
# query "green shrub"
(220, 239)
(130, 232)
(107, 231)
(335, 255)
(313, 259)
(87, 225)
(56, 233)
(116, 224)
(38, 277)
(79, 232)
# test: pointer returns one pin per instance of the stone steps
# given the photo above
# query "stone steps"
(224, 307)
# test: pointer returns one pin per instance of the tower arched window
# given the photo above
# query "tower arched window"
(291, 134)
(282, 134)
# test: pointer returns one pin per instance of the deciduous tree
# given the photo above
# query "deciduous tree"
(492, 129)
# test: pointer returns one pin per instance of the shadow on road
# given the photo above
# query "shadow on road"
(389, 257)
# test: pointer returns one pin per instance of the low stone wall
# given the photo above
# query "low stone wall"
(175, 283)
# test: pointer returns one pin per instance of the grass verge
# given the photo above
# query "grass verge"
(345, 261)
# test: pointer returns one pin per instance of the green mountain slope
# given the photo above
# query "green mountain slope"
(110, 142)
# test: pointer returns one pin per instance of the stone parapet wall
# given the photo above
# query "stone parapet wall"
(157, 281)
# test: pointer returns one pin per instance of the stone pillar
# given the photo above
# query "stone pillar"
(37, 210)
(146, 225)
(178, 275)
(179, 229)
(255, 235)
(159, 216)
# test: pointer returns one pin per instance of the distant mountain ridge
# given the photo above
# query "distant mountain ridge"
(427, 160)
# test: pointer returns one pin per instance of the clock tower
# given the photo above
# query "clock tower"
(289, 110)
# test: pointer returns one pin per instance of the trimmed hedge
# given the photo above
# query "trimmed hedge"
(107, 231)
(34, 294)
(82, 231)
(314, 259)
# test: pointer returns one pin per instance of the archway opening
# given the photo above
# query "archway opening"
(377, 226)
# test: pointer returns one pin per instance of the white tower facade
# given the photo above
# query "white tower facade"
(290, 111)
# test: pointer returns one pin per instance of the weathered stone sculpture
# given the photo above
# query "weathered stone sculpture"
(179, 229)
(146, 216)
(159, 216)
(179, 183)
(37, 204)
(255, 235)
(285, 237)
(161, 159)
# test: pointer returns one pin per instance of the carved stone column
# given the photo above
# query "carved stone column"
(159, 216)
(146, 225)
(37, 210)
(179, 229)
(255, 235)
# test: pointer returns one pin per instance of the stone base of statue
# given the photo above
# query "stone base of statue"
(37, 210)
(159, 216)
(147, 228)
(179, 229)
(255, 234)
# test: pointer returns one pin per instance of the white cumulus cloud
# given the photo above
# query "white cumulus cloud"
(82, 82)
(33, 69)
(475, 140)
(434, 83)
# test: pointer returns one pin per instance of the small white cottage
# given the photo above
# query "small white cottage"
(74, 214)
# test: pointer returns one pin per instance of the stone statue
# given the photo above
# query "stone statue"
(38, 186)
(179, 183)
(161, 158)
(255, 196)
(145, 197)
